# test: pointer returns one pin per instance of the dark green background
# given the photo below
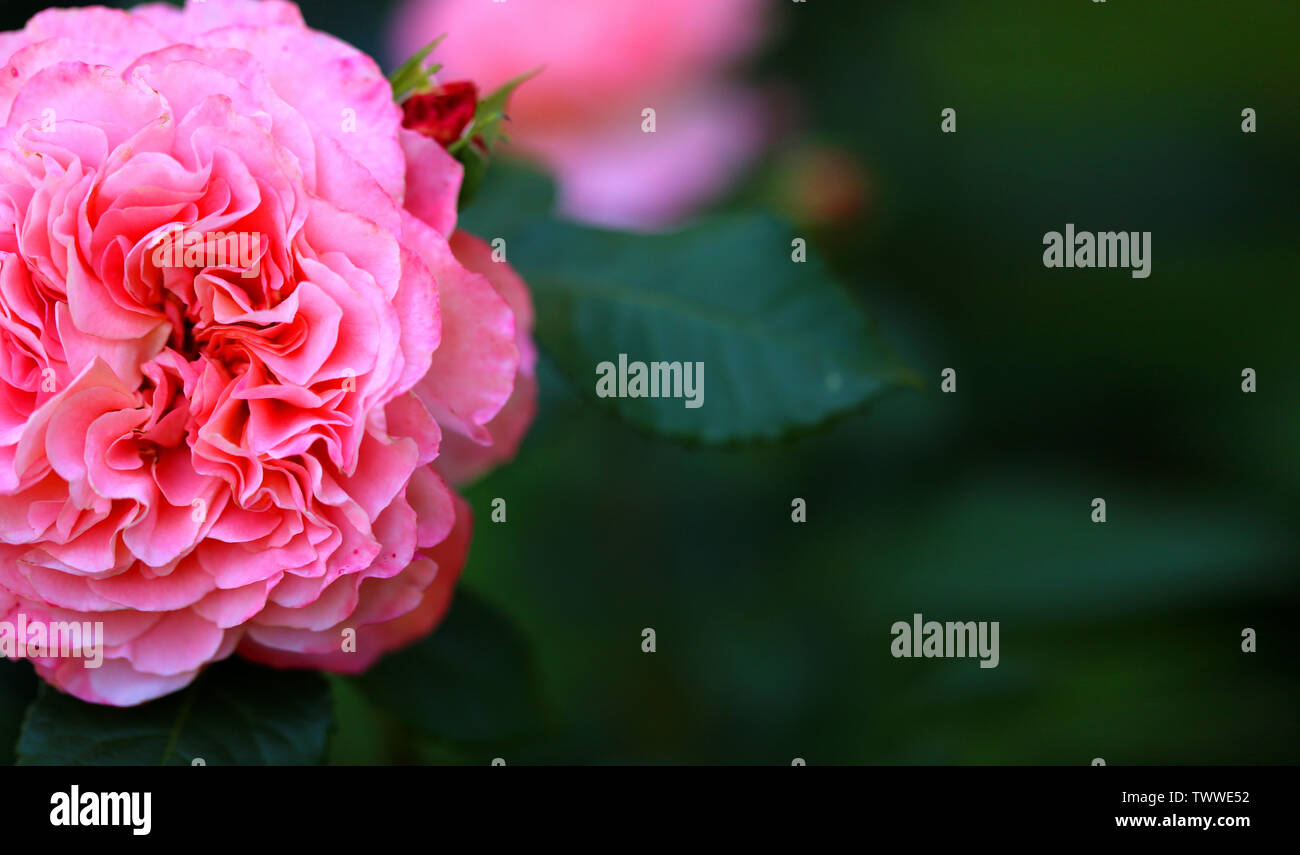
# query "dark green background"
(1119, 641)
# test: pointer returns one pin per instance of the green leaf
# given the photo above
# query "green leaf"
(17, 688)
(234, 713)
(471, 681)
(412, 76)
(783, 346)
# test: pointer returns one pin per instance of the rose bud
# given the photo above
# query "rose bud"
(443, 113)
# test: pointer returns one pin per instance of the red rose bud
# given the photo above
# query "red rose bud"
(442, 113)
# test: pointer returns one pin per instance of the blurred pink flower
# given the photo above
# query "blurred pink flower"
(605, 61)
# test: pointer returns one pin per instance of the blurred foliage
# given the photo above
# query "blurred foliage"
(1120, 641)
(470, 682)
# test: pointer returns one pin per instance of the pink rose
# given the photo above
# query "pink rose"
(603, 63)
(207, 447)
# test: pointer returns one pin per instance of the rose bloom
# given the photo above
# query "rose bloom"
(603, 62)
(208, 457)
